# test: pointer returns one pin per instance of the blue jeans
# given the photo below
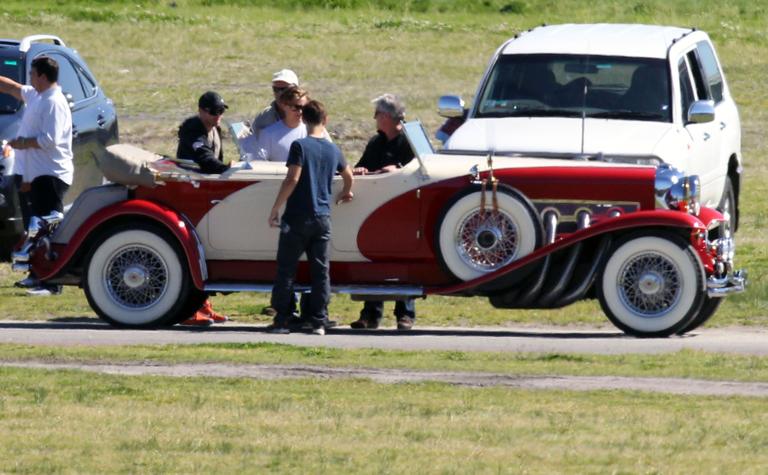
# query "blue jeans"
(310, 234)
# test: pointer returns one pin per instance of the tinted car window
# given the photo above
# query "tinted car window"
(89, 86)
(10, 68)
(702, 91)
(711, 71)
(686, 89)
(569, 85)
(68, 79)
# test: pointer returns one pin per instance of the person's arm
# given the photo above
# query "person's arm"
(345, 195)
(202, 154)
(10, 87)
(286, 188)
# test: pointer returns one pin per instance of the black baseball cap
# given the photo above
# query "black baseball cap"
(212, 101)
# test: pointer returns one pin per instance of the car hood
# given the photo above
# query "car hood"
(556, 135)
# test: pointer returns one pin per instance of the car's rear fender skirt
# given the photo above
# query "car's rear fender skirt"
(132, 210)
(640, 219)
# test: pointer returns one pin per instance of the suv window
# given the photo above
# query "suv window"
(68, 79)
(89, 86)
(686, 89)
(572, 85)
(10, 68)
(702, 91)
(711, 71)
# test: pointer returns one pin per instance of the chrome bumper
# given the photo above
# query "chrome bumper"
(725, 280)
(732, 284)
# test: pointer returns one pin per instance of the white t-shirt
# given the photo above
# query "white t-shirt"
(48, 119)
(275, 141)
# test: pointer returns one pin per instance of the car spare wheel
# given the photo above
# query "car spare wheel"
(136, 277)
(652, 285)
(473, 239)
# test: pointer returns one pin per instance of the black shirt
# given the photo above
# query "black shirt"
(381, 152)
(194, 144)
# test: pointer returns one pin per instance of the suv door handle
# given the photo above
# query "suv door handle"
(75, 133)
(100, 120)
(706, 136)
(722, 125)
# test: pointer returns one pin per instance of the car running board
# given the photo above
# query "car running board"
(376, 292)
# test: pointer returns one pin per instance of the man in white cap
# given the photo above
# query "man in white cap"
(281, 81)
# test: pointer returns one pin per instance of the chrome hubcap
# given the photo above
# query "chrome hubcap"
(649, 284)
(487, 240)
(136, 277)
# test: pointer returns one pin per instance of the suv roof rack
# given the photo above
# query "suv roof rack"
(27, 41)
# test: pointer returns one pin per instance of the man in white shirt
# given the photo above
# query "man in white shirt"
(281, 81)
(44, 144)
(275, 140)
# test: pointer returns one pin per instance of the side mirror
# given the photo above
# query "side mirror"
(701, 112)
(450, 106)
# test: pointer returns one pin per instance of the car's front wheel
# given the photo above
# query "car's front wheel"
(652, 285)
(135, 277)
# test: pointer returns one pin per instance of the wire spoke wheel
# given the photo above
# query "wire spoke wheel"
(136, 276)
(487, 240)
(650, 284)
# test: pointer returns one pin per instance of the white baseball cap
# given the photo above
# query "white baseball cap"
(286, 75)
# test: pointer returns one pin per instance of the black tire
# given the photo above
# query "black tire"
(727, 206)
(652, 284)
(471, 242)
(708, 309)
(136, 276)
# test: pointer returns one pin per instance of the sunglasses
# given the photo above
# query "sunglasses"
(278, 90)
(216, 111)
(295, 107)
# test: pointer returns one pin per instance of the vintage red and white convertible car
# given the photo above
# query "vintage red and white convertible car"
(526, 233)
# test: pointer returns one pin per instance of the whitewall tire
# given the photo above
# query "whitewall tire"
(474, 241)
(651, 285)
(135, 277)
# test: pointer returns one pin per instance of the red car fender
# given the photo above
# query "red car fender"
(176, 223)
(638, 220)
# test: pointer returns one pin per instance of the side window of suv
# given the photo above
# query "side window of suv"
(686, 89)
(68, 79)
(702, 91)
(711, 71)
(89, 85)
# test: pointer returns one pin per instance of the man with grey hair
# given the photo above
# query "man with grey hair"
(387, 151)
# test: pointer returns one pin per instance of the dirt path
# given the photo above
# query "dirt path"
(696, 387)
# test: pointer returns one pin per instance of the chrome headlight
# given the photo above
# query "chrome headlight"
(676, 191)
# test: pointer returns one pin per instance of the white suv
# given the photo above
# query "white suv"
(634, 93)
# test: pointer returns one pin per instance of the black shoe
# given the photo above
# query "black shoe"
(404, 323)
(278, 329)
(28, 282)
(363, 324)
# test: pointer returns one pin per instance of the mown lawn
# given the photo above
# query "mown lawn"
(74, 422)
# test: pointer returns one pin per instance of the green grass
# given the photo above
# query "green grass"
(154, 60)
(75, 422)
(682, 364)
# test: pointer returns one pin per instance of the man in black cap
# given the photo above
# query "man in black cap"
(200, 140)
(200, 135)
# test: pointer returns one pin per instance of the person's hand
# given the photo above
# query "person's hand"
(274, 218)
(25, 187)
(359, 171)
(344, 197)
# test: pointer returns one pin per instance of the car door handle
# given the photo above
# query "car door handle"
(101, 120)
(215, 202)
(706, 136)
(722, 125)
(75, 133)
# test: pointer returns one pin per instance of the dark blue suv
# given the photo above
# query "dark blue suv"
(94, 121)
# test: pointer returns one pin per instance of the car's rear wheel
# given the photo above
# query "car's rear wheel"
(474, 240)
(136, 277)
(652, 285)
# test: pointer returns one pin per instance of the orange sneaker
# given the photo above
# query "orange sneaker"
(207, 310)
(199, 319)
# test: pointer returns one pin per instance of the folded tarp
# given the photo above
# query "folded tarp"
(129, 165)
